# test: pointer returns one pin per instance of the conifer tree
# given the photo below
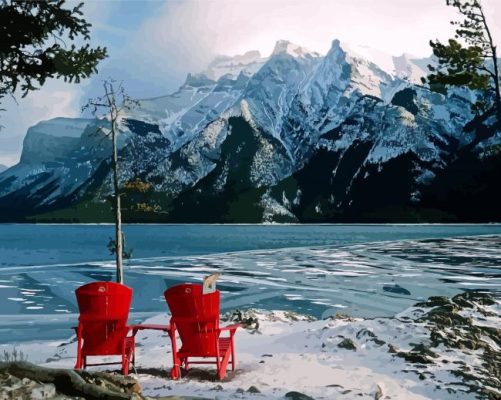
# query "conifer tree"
(469, 59)
(37, 42)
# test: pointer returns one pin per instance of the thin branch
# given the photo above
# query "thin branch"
(488, 71)
(97, 104)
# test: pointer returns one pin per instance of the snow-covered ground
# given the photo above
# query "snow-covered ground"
(439, 349)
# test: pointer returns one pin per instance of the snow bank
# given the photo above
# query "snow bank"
(437, 349)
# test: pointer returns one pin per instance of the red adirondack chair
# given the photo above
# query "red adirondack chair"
(195, 316)
(102, 325)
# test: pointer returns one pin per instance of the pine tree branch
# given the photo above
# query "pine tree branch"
(485, 69)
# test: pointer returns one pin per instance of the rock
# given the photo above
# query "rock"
(365, 332)
(414, 357)
(370, 335)
(379, 393)
(396, 289)
(457, 326)
(470, 299)
(247, 319)
(253, 389)
(347, 344)
(45, 391)
(422, 349)
(340, 315)
(292, 316)
(178, 398)
(434, 301)
(297, 396)
(392, 348)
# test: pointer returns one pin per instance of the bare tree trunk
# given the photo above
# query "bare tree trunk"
(109, 102)
(118, 216)
(496, 79)
(495, 74)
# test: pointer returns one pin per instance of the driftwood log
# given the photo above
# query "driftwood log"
(89, 385)
(83, 384)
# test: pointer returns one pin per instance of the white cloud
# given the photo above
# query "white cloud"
(55, 99)
(182, 36)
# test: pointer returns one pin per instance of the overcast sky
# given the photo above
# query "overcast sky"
(152, 45)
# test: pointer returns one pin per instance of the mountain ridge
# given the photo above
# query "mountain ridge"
(318, 136)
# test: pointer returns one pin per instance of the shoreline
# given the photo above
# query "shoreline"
(412, 355)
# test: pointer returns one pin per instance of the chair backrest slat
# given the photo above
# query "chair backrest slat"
(104, 310)
(196, 317)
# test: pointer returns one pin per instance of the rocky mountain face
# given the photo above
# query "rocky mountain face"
(293, 137)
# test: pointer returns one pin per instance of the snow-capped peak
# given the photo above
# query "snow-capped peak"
(380, 58)
(405, 66)
(286, 47)
(248, 63)
(197, 80)
(411, 67)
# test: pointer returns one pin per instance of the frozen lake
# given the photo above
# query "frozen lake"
(360, 270)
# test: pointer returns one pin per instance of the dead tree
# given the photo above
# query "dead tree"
(114, 103)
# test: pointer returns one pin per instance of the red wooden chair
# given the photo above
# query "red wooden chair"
(102, 325)
(195, 316)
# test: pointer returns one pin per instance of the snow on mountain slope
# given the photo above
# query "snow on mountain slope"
(356, 113)
(286, 47)
(406, 66)
(53, 139)
(272, 90)
(58, 157)
(248, 64)
(411, 68)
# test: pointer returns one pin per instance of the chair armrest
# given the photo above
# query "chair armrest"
(230, 327)
(192, 319)
(140, 327)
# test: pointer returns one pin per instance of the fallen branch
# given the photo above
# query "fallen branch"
(103, 386)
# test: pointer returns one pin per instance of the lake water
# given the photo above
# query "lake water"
(361, 270)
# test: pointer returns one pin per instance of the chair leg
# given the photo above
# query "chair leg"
(79, 363)
(133, 353)
(233, 366)
(125, 366)
(175, 372)
(221, 371)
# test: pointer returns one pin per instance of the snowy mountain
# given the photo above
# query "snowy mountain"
(296, 136)
(3, 167)
(248, 64)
